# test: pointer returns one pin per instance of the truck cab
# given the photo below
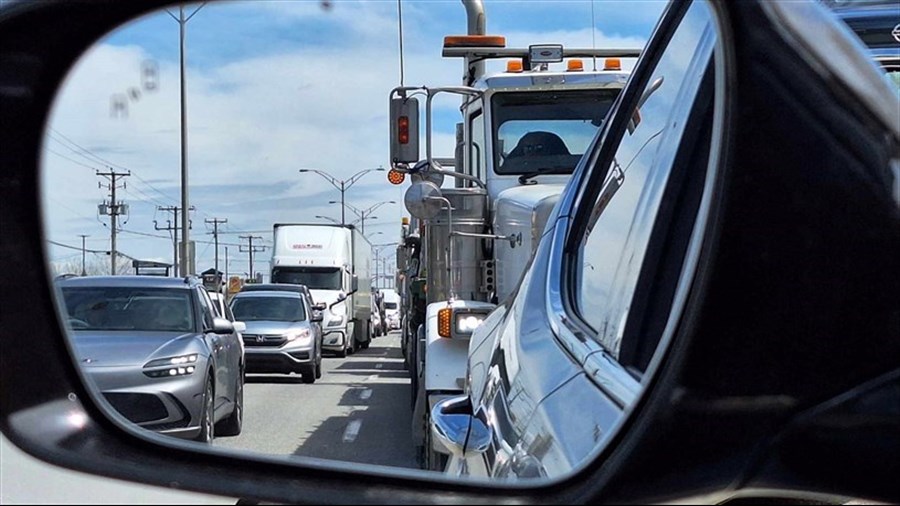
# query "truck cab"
(477, 216)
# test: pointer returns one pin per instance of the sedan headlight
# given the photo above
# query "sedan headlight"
(182, 365)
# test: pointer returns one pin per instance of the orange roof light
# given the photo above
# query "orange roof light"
(612, 64)
(514, 66)
(405, 219)
(575, 66)
(396, 177)
(474, 41)
(445, 322)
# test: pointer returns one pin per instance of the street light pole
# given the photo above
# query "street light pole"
(343, 185)
(183, 266)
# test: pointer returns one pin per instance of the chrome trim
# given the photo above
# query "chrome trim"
(702, 221)
(571, 337)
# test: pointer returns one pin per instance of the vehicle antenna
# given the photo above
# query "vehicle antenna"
(400, 29)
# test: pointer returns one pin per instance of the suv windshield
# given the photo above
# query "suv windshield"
(313, 278)
(122, 308)
(274, 308)
(546, 132)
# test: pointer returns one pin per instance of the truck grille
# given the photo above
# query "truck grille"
(272, 340)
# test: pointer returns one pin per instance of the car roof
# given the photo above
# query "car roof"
(128, 281)
(269, 293)
(272, 287)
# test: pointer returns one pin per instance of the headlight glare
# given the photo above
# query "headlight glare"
(171, 366)
(297, 334)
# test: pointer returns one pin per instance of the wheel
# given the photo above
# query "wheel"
(207, 428)
(311, 373)
(233, 425)
(319, 362)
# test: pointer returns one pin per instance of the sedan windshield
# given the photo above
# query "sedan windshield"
(279, 309)
(125, 308)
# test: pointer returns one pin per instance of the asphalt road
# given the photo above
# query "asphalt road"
(358, 411)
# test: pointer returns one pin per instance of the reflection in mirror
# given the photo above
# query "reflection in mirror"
(163, 183)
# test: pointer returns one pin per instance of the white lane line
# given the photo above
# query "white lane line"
(352, 431)
(372, 377)
(365, 394)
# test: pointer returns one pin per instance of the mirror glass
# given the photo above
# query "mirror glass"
(153, 170)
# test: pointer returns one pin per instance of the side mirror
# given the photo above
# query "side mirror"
(223, 326)
(354, 284)
(240, 326)
(404, 117)
(317, 316)
(320, 306)
(454, 425)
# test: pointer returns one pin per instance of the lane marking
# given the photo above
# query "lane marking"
(352, 431)
(372, 377)
(379, 366)
(365, 394)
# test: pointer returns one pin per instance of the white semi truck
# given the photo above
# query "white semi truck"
(477, 217)
(334, 262)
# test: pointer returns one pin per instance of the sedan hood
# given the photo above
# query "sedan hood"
(116, 349)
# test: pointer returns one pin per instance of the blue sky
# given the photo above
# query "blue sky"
(273, 86)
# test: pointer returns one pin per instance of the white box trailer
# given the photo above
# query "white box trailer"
(334, 262)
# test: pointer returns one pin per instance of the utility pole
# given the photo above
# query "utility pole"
(251, 249)
(83, 270)
(215, 223)
(113, 208)
(172, 226)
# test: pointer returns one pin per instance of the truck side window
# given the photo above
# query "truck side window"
(619, 225)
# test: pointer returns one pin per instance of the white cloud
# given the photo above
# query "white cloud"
(253, 121)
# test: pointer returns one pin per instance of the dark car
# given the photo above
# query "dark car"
(158, 352)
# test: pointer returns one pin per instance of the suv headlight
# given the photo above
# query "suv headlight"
(297, 335)
(182, 365)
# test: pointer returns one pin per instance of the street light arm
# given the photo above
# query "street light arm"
(356, 177)
(331, 179)
(376, 206)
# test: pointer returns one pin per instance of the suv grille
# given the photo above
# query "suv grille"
(264, 340)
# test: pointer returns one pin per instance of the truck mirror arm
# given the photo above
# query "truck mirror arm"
(514, 239)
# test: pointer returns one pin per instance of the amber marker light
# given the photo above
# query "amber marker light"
(445, 322)
(396, 177)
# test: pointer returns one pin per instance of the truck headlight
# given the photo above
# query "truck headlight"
(459, 322)
(335, 321)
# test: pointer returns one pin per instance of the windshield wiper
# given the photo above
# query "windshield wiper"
(525, 178)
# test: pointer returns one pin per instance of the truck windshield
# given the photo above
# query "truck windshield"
(313, 278)
(546, 131)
